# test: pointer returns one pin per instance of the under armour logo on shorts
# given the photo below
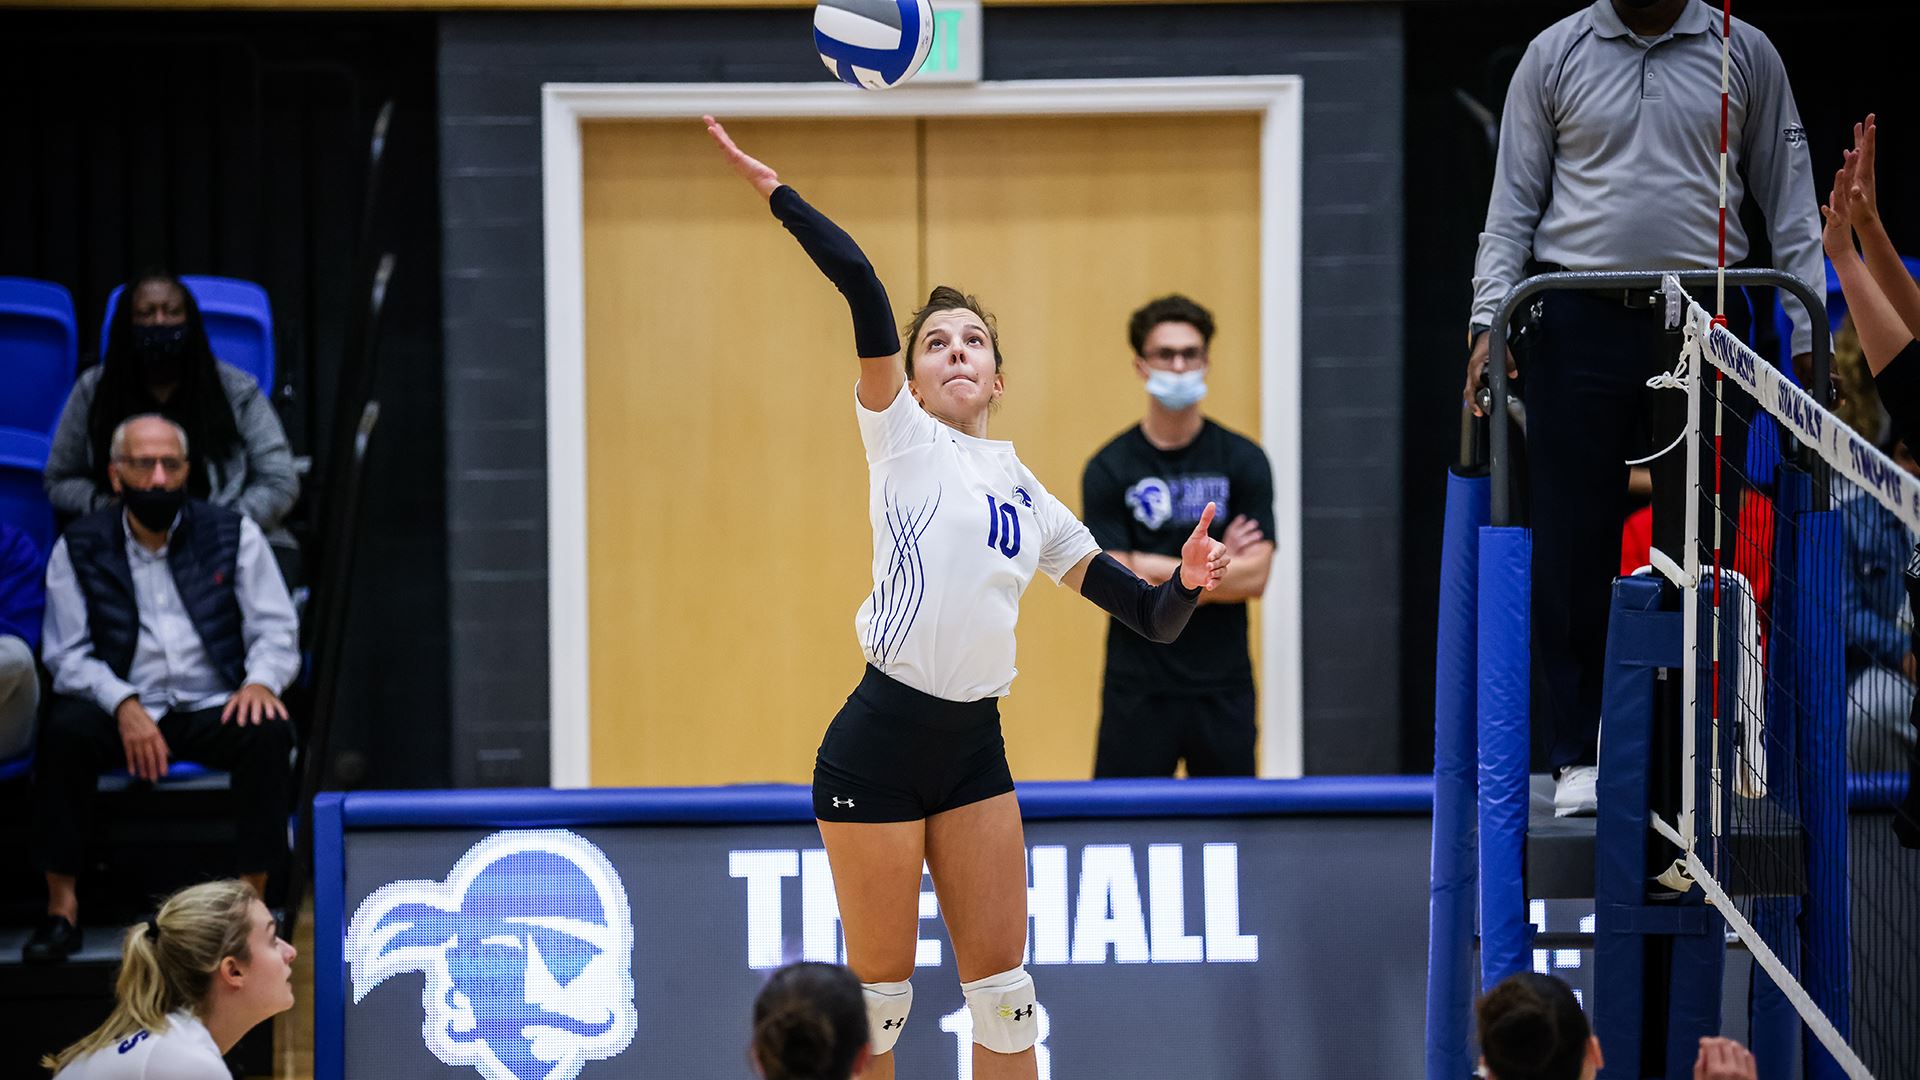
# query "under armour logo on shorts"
(838, 801)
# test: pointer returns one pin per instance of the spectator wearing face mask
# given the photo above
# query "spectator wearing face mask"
(170, 637)
(1192, 700)
(157, 359)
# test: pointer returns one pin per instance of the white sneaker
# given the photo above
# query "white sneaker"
(1573, 791)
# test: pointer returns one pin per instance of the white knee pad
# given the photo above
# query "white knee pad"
(1003, 1011)
(887, 1006)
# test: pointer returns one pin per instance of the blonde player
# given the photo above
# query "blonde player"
(193, 980)
(913, 769)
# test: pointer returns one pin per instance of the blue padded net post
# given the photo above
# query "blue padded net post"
(1451, 894)
(1506, 936)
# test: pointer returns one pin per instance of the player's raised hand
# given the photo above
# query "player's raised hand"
(1837, 235)
(1723, 1059)
(751, 169)
(1202, 558)
(1866, 208)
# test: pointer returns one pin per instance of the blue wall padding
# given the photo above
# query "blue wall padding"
(1820, 679)
(1640, 639)
(1506, 937)
(1451, 892)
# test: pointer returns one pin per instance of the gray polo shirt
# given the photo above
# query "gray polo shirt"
(1610, 156)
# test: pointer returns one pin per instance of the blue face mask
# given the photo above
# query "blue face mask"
(1177, 389)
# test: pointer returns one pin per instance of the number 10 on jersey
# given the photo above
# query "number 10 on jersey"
(1003, 527)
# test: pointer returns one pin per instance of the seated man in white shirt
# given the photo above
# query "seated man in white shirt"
(170, 636)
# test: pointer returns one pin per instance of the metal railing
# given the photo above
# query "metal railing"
(1694, 281)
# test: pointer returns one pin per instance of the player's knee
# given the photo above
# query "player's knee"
(887, 1006)
(1004, 1009)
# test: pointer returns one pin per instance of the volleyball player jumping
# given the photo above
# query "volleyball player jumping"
(913, 769)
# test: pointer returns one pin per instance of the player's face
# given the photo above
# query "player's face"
(953, 373)
(269, 966)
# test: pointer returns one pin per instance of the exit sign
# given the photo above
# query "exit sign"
(955, 55)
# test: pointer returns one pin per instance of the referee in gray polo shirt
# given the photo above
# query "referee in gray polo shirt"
(1609, 160)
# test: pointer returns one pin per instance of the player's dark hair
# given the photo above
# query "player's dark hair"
(948, 298)
(809, 1023)
(167, 963)
(1173, 308)
(1531, 1028)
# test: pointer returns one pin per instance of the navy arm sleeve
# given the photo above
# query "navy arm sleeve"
(1155, 612)
(838, 257)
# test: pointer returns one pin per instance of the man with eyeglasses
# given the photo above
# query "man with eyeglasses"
(1142, 494)
(170, 636)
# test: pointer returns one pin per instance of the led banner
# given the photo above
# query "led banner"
(1160, 947)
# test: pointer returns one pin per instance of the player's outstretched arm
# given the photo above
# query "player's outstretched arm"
(875, 338)
(1883, 262)
(1155, 612)
(1882, 333)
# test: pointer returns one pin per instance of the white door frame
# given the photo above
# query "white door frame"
(1275, 99)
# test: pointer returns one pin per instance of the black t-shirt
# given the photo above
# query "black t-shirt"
(1136, 497)
(1899, 386)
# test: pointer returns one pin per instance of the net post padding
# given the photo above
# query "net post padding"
(1451, 896)
(1640, 639)
(1503, 699)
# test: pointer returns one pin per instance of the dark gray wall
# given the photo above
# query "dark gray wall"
(491, 70)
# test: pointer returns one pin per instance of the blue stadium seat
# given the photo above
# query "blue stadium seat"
(39, 349)
(180, 774)
(23, 493)
(239, 323)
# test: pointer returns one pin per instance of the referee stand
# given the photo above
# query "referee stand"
(1659, 953)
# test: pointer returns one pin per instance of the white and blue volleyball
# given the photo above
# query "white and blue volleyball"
(873, 44)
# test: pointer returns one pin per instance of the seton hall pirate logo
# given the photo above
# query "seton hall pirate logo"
(526, 951)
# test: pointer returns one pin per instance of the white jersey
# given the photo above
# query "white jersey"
(184, 1051)
(959, 527)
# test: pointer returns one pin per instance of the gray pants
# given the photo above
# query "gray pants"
(19, 696)
(1878, 734)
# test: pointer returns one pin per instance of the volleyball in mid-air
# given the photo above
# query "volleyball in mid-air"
(873, 44)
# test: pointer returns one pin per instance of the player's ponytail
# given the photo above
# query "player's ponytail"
(809, 1023)
(167, 962)
(1531, 1028)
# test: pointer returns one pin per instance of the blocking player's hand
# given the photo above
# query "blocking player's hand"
(1723, 1059)
(752, 170)
(1202, 558)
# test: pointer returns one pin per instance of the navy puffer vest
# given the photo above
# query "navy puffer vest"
(202, 556)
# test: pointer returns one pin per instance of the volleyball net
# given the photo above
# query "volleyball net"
(1800, 684)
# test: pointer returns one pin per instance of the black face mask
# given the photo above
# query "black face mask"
(1641, 5)
(154, 507)
(160, 342)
